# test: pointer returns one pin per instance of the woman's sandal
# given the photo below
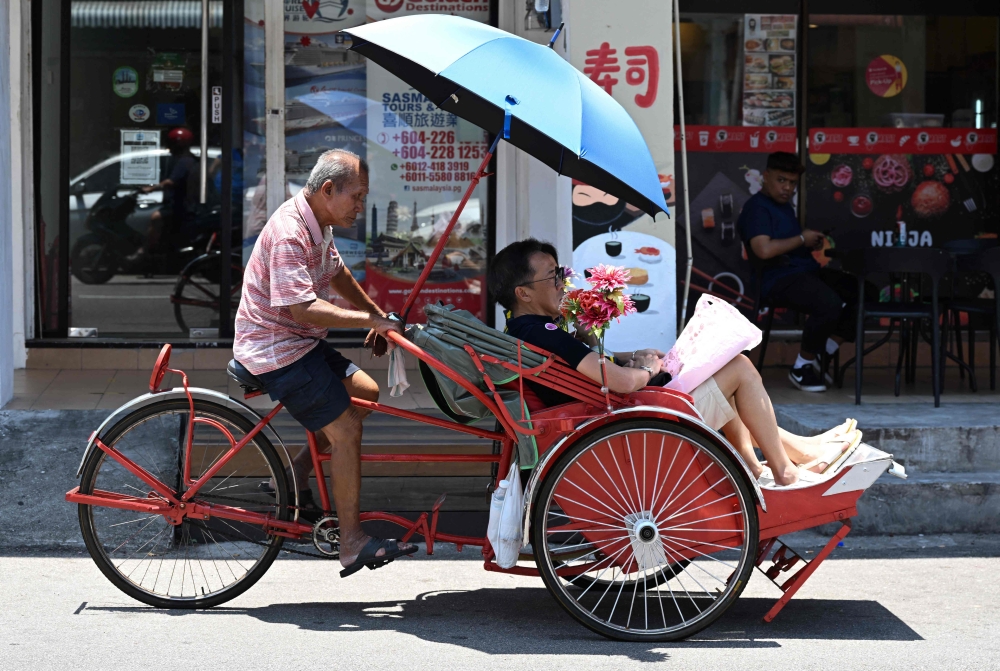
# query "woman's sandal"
(367, 555)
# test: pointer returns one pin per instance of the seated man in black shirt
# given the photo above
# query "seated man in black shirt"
(528, 281)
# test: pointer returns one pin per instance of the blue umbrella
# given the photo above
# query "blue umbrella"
(523, 92)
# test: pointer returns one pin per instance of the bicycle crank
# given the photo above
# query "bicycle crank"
(326, 536)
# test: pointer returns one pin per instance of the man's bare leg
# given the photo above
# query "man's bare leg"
(359, 385)
(738, 379)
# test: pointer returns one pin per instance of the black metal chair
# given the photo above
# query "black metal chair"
(988, 262)
(934, 263)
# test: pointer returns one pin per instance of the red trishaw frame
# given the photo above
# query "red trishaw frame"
(788, 511)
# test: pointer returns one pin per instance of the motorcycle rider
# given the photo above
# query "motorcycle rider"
(180, 193)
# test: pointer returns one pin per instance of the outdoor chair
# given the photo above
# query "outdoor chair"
(987, 262)
(935, 264)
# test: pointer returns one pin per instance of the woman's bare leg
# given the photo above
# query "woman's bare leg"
(738, 434)
(740, 380)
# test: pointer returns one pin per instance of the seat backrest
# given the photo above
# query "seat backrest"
(987, 261)
(924, 260)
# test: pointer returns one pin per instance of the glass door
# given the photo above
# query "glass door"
(146, 168)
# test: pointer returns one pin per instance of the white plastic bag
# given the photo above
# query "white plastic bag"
(506, 535)
(716, 333)
(397, 373)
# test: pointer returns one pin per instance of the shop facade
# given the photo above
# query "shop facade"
(892, 106)
(233, 103)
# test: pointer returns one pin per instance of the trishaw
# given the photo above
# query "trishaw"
(643, 522)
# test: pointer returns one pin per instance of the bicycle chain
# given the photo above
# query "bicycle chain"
(250, 540)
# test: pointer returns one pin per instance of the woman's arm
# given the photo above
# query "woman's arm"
(621, 380)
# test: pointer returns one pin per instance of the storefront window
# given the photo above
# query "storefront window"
(902, 137)
(712, 63)
(421, 158)
(141, 209)
(902, 71)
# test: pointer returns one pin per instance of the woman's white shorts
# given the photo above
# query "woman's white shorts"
(712, 405)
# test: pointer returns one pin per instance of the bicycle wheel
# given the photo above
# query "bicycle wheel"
(199, 563)
(196, 294)
(92, 260)
(645, 531)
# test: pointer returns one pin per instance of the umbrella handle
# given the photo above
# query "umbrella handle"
(415, 291)
(555, 35)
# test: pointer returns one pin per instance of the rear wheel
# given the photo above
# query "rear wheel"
(199, 563)
(645, 531)
(196, 294)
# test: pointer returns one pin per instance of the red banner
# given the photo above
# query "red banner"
(902, 141)
(737, 139)
(390, 292)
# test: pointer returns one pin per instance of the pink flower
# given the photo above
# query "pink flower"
(608, 278)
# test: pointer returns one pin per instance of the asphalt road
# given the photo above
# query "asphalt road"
(899, 604)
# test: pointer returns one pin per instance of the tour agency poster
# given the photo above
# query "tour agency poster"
(422, 160)
(627, 52)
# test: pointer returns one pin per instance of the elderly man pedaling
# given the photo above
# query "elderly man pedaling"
(527, 280)
(281, 324)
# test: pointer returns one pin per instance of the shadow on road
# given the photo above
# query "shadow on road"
(529, 621)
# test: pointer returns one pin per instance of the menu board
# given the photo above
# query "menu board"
(769, 44)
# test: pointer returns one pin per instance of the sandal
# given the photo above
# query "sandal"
(367, 555)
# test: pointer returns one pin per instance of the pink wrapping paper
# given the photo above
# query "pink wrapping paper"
(716, 333)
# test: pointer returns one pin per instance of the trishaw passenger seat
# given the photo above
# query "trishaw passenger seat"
(247, 380)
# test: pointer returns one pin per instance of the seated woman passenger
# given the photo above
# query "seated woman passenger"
(528, 281)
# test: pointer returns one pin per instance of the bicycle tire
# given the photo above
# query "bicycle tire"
(93, 543)
(571, 596)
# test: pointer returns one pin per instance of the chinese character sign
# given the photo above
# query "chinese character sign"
(643, 69)
(627, 52)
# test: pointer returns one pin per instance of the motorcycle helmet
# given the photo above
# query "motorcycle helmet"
(180, 138)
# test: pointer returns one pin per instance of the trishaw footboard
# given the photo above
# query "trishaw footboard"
(784, 559)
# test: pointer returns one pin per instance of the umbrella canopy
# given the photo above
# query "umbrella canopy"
(523, 91)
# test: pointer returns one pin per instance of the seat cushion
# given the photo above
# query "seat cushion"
(243, 377)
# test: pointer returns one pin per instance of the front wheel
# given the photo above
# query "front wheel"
(201, 562)
(645, 531)
(92, 260)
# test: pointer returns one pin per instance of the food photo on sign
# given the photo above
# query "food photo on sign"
(942, 183)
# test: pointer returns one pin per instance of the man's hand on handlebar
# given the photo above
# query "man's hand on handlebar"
(377, 338)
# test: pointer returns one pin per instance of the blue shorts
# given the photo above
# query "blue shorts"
(311, 388)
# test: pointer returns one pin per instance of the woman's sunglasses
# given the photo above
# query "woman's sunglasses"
(559, 276)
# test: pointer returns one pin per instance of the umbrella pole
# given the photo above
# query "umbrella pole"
(684, 167)
(439, 247)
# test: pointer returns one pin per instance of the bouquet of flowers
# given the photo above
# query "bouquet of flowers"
(592, 310)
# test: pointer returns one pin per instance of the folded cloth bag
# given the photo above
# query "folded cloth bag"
(716, 333)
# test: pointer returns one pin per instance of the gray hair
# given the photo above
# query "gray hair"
(337, 166)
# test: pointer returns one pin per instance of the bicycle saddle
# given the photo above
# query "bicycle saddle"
(247, 380)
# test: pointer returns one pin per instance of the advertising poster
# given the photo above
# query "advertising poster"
(725, 164)
(631, 60)
(769, 42)
(941, 182)
(421, 161)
